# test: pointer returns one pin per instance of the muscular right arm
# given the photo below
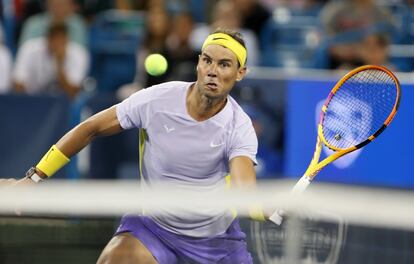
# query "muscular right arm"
(104, 123)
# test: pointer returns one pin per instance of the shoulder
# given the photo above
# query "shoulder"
(242, 136)
(76, 48)
(165, 92)
(5, 53)
(37, 19)
(76, 20)
(169, 88)
(149, 101)
(34, 45)
(240, 118)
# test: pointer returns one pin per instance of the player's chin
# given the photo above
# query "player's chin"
(211, 96)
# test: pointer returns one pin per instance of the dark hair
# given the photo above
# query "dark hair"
(57, 28)
(234, 34)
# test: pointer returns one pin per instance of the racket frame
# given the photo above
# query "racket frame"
(315, 166)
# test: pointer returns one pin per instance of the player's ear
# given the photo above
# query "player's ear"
(241, 73)
(199, 58)
(198, 61)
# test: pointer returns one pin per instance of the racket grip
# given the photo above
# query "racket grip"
(301, 185)
(276, 217)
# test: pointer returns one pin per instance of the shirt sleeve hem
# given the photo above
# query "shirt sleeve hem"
(252, 157)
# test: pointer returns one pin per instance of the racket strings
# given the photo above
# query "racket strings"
(359, 108)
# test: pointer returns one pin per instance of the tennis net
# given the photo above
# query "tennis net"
(70, 222)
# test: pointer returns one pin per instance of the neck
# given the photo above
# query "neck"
(201, 107)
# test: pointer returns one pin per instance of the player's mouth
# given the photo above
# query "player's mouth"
(212, 85)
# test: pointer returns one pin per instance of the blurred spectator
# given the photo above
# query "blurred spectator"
(254, 15)
(183, 59)
(345, 15)
(226, 15)
(155, 41)
(375, 49)
(351, 20)
(115, 35)
(92, 7)
(174, 46)
(5, 64)
(304, 7)
(125, 5)
(58, 11)
(51, 64)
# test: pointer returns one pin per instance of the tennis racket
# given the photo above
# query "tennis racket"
(358, 109)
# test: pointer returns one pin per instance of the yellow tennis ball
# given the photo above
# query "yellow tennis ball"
(156, 64)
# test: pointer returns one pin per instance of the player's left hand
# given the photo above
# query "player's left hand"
(13, 182)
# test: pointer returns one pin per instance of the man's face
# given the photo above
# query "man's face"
(60, 9)
(217, 71)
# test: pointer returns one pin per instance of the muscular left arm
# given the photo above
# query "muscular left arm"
(243, 177)
(242, 173)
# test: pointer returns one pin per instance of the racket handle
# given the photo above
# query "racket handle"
(276, 217)
(301, 185)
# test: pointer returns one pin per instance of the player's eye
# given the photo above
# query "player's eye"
(225, 64)
(207, 60)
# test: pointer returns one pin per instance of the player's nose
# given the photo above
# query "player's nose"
(212, 70)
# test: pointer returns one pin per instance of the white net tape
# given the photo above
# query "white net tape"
(367, 206)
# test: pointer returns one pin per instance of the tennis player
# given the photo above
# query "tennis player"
(194, 135)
